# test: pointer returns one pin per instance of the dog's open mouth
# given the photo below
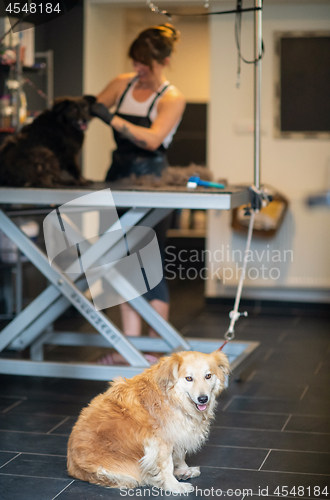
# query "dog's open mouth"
(200, 407)
(82, 125)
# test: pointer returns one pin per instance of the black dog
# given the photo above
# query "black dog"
(45, 153)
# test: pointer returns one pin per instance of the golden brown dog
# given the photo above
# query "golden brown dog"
(138, 432)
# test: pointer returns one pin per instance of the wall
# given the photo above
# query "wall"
(64, 36)
(295, 167)
(104, 49)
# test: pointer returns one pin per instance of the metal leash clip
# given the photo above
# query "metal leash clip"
(234, 316)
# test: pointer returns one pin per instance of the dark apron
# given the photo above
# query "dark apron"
(129, 158)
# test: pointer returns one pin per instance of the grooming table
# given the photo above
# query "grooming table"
(27, 329)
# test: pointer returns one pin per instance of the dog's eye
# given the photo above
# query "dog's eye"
(208, 376)
(189, 379)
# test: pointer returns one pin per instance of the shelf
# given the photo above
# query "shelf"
(35, 69)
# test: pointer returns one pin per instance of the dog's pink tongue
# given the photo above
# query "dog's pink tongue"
(201, 407)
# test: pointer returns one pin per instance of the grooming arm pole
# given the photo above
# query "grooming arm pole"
(257, 89)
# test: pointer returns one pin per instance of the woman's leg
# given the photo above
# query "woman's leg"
(131, 320)
(163, 308)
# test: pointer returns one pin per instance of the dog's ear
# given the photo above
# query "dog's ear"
(167, 370)
(222, 364)
(60, 104)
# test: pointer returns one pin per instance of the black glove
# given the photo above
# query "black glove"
(100, 111)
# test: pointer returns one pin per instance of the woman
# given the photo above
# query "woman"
(147, 113)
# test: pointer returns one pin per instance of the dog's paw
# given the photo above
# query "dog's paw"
(187, 473)
(178, 488)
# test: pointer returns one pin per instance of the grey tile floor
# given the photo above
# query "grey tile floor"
(270, 438)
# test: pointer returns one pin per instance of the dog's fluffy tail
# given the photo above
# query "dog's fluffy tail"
(103, 476)
(102, 470)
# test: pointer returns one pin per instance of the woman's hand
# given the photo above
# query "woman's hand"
(100, 111)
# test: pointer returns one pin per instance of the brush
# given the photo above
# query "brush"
(196, 181)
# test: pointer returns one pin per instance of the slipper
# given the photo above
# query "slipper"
(152, 357)
(108, 359)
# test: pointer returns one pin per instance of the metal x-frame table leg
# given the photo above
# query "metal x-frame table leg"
(56, 298)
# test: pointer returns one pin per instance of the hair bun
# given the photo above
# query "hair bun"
(169, 31)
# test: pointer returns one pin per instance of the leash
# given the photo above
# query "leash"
(234, 315)
(223, 345)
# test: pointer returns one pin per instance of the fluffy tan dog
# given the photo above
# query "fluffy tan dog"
(137, 433)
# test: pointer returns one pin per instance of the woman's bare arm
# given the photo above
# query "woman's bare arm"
(170, 110)
(114, 89)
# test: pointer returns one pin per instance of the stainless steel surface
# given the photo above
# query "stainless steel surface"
(214, 199)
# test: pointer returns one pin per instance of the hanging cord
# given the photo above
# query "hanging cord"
(155, 9)
(238, 36)
(234, 314)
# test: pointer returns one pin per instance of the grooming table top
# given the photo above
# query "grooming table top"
(128, 196)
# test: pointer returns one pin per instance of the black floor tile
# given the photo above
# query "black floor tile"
(268, 375)
(263, 388)
(80, 490)
(217, 456)
(33, 443)
(289, 362)
(30, 488)
(47, 389)
(38, 466)
(269, 405)
(26, 422)
(294, 441)
(5, 456)
(325, 368)
(257, 481)
(20, 387)
(66, 427)
(308, 424)
(250, 421)
(307, 346)
(302, 462)
(6, 403)
(317, 390)
(311, 326)
(50, 407)
(322, 380)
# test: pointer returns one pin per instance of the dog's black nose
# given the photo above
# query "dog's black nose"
(203, 399)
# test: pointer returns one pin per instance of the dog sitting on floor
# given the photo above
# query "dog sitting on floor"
(45, 152)
(137, 433)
